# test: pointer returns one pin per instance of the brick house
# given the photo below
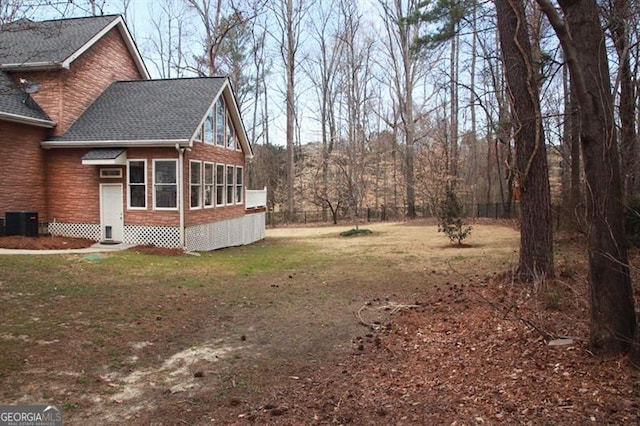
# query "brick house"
(101, 151)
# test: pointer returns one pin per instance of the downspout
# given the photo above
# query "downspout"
(180, 192)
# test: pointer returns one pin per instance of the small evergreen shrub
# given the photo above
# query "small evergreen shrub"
(451, 219)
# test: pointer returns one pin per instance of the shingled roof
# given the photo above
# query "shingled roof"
(17, 105)
(26, 44)
(29, 45)
(147, 110)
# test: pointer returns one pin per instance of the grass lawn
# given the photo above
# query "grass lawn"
(125, 336)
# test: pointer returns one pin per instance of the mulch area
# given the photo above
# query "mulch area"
(44, 243)
(64, 243)
(478, 353)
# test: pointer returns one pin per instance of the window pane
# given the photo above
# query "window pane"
(136, 196)
(136, 172)
(165, 171)
(220, 122)
(208, 128)
(198, 136)
(220, 184)
(195, 172)
(230, 184)
(239, 187)
(208, 173)
(166, 196)
(230, 138)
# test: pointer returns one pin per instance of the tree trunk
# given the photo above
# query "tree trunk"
(620, 34)
(536, 238)
(613, 319)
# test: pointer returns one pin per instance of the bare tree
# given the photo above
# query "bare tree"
(289, 15)
(613, 318)
(402, 36)
(322, 71)
(536, 238)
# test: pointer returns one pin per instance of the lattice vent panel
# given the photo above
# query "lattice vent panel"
(225, 233)
(161, 236)
(90, 231)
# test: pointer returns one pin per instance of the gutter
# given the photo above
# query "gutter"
(165, 143)
(180, 193)
(27, 120)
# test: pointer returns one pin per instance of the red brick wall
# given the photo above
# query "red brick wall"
(22, 178)
(73, 190)
(65, 94)
(74, 194)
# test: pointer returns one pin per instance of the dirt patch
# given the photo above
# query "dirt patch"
(44, 243)
(160, 251)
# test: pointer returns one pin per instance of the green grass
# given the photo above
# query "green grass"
(293, 300)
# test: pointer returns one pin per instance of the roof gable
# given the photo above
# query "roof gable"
(146, 110)
(151, 113)
(26, 44)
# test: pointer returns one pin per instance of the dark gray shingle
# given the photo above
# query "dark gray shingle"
(103, 154)
(26, 41)
(146, 110)
(13, 100)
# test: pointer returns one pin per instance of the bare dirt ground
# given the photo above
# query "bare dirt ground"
(393, 328)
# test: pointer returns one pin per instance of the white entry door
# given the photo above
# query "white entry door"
(111, 212)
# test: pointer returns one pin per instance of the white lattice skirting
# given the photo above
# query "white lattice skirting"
(226, 233)
(210, 236)
(90, 231)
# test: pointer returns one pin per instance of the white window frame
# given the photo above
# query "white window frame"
(212, 184)
(192, 185)
(239, 187)
(155, 204)
(144, 184)
(220, 186)
(118, 175)
(211, 120)
(230, 133)
(230, 185)
(220, 112)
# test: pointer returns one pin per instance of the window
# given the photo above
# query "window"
(165, 184)
(220, 114)
(137, 176)
(208, 128)
(239, 186)
(208, 184)
(230, 185)
(219, 184)
(111, 173)
(195, 184)
(230, 136)
(198, 136)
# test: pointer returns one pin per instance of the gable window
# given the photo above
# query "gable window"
(165, 194)
(208, 184)
(239, 187)
(198, 136)
(195, 183)
(219, 184)
(208, 128)
(137, 180)
(230, 173)
(220, 122)
(230, 135)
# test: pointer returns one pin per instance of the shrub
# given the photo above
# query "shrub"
(451, 219)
